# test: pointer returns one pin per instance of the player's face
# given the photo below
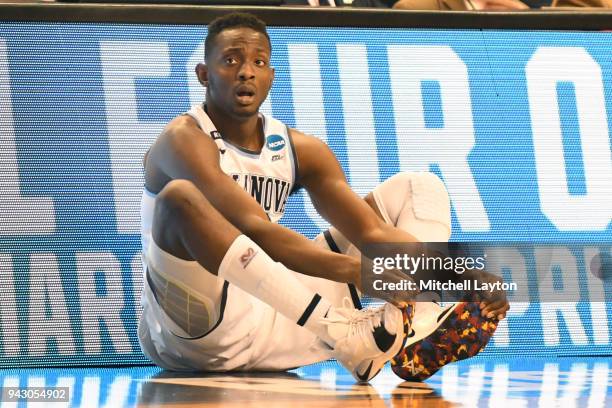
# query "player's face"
(238, 71)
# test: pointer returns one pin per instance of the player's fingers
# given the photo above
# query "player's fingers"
(493, 309)
(489, 311)
(482, 303)
(501, 313)
(497, 310)
(493, 298)
(485, 302)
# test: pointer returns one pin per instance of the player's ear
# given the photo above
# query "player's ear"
(272, 76)
(202, 73)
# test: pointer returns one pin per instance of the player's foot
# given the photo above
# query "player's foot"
(364, 340)
(440, 335)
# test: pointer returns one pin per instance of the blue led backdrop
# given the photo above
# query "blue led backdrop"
(517, 124)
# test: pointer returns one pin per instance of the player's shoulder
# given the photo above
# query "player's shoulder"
(182, 126)
(183, 140)
(306, 144)
(315, 158)
(184, 130)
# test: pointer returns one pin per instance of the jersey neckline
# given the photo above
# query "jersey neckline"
(255, 153)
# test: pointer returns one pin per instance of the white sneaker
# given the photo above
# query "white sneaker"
(430, 317)
(364, 340)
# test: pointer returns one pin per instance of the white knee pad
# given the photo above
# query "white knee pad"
(418, 203)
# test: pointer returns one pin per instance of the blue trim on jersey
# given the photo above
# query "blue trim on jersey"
(150, 194)
(294, 162)
(264, 123)
(239, 149)
(242, 151)
(227, 143)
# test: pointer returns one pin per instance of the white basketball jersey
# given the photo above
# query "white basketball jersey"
(269, 175)
(240, 336)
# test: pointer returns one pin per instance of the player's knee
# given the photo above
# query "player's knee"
(428, 180)
(418, 187)
(430, 200)
(418, 195)
(179, 197)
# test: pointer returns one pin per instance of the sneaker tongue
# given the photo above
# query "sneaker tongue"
(388, 324)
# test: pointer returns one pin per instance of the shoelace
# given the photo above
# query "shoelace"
(362, 321)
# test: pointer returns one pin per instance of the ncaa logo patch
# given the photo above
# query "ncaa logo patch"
(275, 142)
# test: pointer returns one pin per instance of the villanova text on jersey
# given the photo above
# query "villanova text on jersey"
(270, 192)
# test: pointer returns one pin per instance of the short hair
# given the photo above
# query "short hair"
(233, 20)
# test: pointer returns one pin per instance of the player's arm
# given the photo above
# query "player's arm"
(323, 178)
(183, 151)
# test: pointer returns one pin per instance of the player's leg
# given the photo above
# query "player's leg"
(419, 204)
(416, 202)
(186, 225)
(441, 334)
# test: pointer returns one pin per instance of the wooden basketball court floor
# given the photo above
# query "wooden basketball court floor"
(486, 381)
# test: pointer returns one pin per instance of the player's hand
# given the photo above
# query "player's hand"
(371, 285)
(493, 304)
(491, 309)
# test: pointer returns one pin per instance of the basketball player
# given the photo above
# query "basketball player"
(226, 287)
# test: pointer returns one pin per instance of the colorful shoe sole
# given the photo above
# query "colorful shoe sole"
(463, 334)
